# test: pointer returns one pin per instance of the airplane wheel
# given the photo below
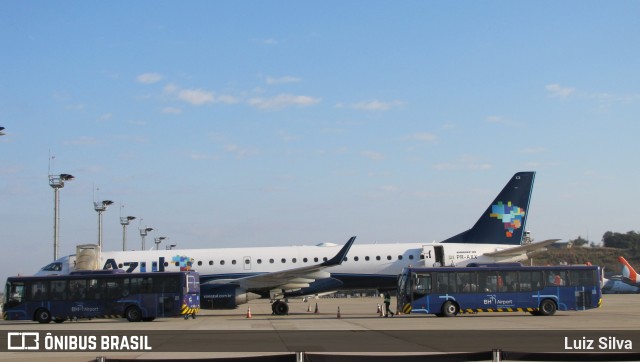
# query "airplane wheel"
(280, 308)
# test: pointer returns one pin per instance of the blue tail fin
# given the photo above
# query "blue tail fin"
(504, 220)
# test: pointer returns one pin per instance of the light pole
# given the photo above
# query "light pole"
(100, 207)
(57, 182)
(158, 240)
(170, 247)
(124, 221)
(143, 233)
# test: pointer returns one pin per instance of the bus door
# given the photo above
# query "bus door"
(584, 286)
(247, 262)
(433, 255)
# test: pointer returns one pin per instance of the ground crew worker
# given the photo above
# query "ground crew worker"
(387, 303)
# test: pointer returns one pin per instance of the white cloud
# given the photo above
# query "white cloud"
(557, 91)
(226, 99)
(239, 151)
(374, 105)
(286, 136)
(373, 155)
(105, 117)
(172, 110)
(149, 78)
(282, 101)
(196, 97)
(423, 137)
(388, 188)
(202, 157)
(465, 162)
(282, 80)
(75, 107)
(502, 120)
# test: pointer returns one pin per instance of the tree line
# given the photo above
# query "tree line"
(629, 240)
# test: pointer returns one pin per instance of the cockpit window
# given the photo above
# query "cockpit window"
(53, 267)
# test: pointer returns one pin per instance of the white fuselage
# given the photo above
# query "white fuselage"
(362, 261)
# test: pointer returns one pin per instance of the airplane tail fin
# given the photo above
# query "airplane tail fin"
(628, 271)
(504, 220)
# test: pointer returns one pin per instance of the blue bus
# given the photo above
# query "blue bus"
(447, 291)
(102, 294)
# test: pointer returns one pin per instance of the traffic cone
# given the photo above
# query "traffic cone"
(338, 313)
(249, 312)
(316, 311)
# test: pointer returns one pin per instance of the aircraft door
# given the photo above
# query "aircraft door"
(246, 262)
(433, 255)
(439, 253)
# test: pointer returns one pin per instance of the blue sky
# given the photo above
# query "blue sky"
(277, 123)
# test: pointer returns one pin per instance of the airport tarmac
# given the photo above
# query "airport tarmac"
(231, 333)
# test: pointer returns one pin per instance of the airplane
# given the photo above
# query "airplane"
(625, 283)
(233, 276)
(629, 275)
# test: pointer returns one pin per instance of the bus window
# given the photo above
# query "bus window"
(165, 284)
(140, 285)
(134, 285)
(467, 282)
(114, 289)
(488, 281)
(510, 281)
(38, 291)
(537, 280)
(581, 277)
(16, 293)
(422, 283)
(94, 289)
(556, 277)
(77, 289)
(58, 289)
(446, 282)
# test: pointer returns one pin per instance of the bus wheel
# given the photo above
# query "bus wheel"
(43, 316)
(547, 307)
(133, 314)
(449, 309)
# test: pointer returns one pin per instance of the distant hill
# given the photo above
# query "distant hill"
(607, 257)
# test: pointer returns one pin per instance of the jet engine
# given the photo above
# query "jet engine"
(224, 296)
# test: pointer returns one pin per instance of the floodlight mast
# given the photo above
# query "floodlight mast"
(143, 233)
(124, 221)
(158, 240)
(57, 182)
(100, 207)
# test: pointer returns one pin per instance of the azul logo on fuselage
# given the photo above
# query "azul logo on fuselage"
(132, 266)
(183, 262)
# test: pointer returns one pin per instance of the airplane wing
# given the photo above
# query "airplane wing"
(522, 249)
(291, 278)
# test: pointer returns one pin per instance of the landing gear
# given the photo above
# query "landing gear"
(280, 308)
